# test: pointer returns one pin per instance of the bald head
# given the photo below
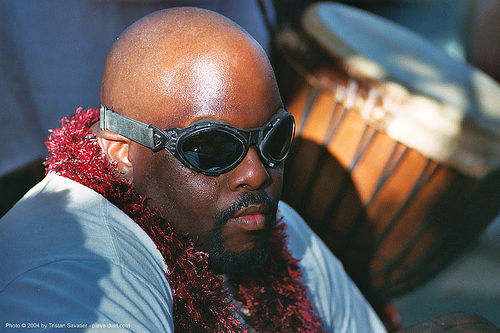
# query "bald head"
(181, 62)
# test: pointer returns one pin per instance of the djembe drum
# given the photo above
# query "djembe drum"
(395, 163)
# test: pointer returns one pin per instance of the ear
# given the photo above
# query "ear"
(116, 148)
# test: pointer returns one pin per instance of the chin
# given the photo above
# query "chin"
(225, 261)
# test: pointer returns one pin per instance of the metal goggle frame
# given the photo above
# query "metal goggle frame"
(209, 146)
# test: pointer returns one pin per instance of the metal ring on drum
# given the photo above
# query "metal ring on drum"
(397, 155)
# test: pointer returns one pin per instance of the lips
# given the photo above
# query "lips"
(250, 218)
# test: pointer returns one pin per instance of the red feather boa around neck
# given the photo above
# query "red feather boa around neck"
(273, 295)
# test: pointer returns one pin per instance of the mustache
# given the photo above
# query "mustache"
(246, 199)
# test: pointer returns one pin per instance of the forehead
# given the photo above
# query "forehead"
(241, 91)
(220, 91)
(174, 84)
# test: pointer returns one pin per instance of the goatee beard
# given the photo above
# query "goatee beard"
(225, 261)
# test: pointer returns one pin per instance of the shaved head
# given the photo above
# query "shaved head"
(180, 55)
(170, 69)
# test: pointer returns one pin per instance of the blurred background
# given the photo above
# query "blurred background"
(51, 60)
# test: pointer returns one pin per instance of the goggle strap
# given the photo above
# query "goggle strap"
(128, 127)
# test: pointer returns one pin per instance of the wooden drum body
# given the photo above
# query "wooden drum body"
(371, 177)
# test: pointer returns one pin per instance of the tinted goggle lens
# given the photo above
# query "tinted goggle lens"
(277, 144)
(212, 150)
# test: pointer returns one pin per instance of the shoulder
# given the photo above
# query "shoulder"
(305, 244)
(64, 244)
(335, 297)
(60, 219)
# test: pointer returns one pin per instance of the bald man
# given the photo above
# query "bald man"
(161, 211)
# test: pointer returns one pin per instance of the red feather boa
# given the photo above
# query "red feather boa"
(273, 295)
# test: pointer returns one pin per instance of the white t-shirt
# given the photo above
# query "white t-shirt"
(71, 259)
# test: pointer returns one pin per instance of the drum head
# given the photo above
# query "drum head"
(451, 102)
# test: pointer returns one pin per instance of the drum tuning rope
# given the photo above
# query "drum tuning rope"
(343, 99)
(366, 140)
(390, 166)
(367, 110)
(312, 95)
(428, 171)
(425, 175)
(367, 137)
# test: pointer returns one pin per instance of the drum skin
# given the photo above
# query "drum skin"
(393, 216)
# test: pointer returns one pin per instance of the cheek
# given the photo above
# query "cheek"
(185, 198)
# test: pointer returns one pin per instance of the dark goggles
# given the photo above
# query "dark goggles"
(209, 146)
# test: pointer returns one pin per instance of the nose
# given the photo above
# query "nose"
(250, 174)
